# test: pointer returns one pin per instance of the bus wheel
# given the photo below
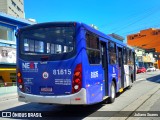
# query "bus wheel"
(112, 93)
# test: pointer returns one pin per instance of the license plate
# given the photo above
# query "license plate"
(46, 89)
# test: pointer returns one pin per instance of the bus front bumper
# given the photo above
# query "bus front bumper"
(73, 99)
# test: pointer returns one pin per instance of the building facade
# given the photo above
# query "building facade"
(13, 7)
(147, 39)
(8, 27)
(144, 59)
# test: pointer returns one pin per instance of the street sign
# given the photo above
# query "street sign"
(150, 50)
(156, 55)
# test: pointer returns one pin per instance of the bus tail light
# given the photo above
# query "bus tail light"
(20, 81)
(77, 79)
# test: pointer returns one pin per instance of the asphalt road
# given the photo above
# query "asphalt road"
(143, 96)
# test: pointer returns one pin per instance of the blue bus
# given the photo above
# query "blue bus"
(71, 63)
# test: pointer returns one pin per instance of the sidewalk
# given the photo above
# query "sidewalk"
(8, 96)
(144, 103)
(8, 90)
(7, 93)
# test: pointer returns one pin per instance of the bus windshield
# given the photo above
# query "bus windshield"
(52, 41)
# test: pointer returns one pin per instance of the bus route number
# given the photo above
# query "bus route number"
(62, 72)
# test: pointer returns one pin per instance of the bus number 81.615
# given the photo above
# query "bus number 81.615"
(62, 72)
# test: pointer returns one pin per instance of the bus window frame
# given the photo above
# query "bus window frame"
(109, 52)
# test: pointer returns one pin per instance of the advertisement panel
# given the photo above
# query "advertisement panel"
(7, 55)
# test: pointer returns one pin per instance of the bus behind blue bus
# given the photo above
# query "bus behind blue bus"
(71, 63)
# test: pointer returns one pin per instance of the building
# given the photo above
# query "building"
(144, 59)
(116, 36)
(8, 27)
(149, 41)
(12, 7)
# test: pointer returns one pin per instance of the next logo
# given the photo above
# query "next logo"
(30, 65)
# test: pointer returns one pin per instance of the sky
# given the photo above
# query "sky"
(122, 17)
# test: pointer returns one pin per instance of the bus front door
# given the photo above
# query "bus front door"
(105, 66)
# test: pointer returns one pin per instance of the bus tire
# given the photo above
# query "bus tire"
(112, 92)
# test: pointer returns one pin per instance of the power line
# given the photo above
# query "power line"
(148, 13)
(144, 17)
(139, 29)
(129, 17)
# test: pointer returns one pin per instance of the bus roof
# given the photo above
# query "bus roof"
(89, 28)
(104, 35)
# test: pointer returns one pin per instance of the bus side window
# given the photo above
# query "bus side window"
(130, 57)
(112, 53)
(93, 56)
(125, 56)
(119, 58)
(93, 51)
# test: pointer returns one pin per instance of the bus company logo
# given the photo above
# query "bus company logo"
(30, 67)
(45, 75)
(94, 74)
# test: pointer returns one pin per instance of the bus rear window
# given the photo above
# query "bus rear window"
(33, 46)
(52, 40)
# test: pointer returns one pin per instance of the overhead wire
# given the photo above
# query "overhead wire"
(129, 17)
(136, 21)
(148, 13)
(139, 29)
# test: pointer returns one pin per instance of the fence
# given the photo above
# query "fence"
(7, 84)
